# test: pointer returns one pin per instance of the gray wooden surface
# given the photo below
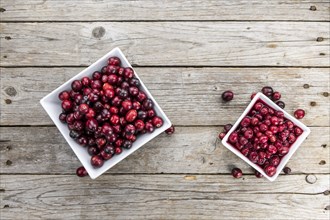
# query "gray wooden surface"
(187, 53)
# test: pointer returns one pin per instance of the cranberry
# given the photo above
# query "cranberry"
(62, 117)
(127, 144)
(139, 125)
(123, 93)
(114, 61)
(276, 96)
(147, 104)
(273, 129)
(83, 140)
(289, 124)
(91, 124)
(253, 157)
(74, 134)
(253, 95)
(121, 71)
(117, 129)
(151, 113)
(131, 115)
(299, 113)
(134, 91)
(270, 170)
(114, 110)
(263, 127)
(280, 104)
(112, 69)
(283, 151)
(272, 139)
(245, 151)
(97, 161)
(96, 75)
(78, 125)
(109, 93)
(76, 85)
(130, 129)
(274, 120)
(118, 150)
(70, 119)
(67, 105)
(227, 96)
(127, 105)
(128, 72)
(64, 95)
(141, 96)
(96, 84)
(243, 141)
(298, 131)
(100, 142)
(267, 91)
(116, 101)
(81, 172)
(170, 130)
(233, 137)
(222, 135)
(245, 122)
(149, 127)
(87, 91)
(157, 122)
(271, 149)
(125, 85)
(136, 105)
(291, 138)
(92, 150)
(114, 119)
(237, 173)
(105, 155)
(257, 174)
(264, 110)
(112, 79)
(254, 121)
(287, 170)
(227, 127)
(258, 106)
(248, 134)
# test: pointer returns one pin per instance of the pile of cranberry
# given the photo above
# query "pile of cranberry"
(106, 112)
(264, 135)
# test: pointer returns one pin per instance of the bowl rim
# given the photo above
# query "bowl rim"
(46, 101)
(293, 148)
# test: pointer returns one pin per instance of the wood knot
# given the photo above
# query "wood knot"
(306, 86)
(2, 190)
(322, 162)
(2, 10)
(312, 8)
(5, 56)
(11, 91)
(8, 38)
(324, 145)
(325, 94)
(98, 32)
(313, 103)
(311, 179)
(322, 54)
(8, 162)
(326, 192)
(8, 101)
(6, 206)
(8, 148)
(327, 207)
(319, 39)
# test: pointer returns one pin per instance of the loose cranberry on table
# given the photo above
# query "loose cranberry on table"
(227, 96)
(81, 172)
(237, 173)
(299, 113)
(170, 130)
(107, 112)
(287, 170)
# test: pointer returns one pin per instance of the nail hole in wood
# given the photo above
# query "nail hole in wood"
(313, 103)
(8, 101)
(211, 164)
(322, 54)
(8, 148)
(8, 162)
(11, 91)
(306, 86)
(2, 10)
(324, 145)
(4, 56)
(8, 38)
(311, 179)
(312, 8)
(2, 190)
(319, 39)
(325, 94)
(322, 162)
(6, 206)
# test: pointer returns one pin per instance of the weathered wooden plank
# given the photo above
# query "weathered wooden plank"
(36, 150)
(163, 197)
(167, 43)
(189, 96)
(117, 10)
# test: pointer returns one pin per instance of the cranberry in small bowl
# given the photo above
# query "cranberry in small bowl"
(265, 136)
(99, 116)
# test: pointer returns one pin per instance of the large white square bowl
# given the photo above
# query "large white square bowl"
(293, 148)
(52, 105)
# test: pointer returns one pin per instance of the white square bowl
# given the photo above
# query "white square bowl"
(293, 148)
(52, 105)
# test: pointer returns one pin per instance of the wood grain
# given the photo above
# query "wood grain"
(167, 43)
(162, 197)
(147, 10)
(191, 150)
(189, 96)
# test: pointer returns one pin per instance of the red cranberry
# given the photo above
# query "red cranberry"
(81, 172)
(100, 142)
(136, 105)
(64, 95)
(222, 135)
(147, 104)
(112, 69)
(280, 104)
(70, 119)
(139, 125)
(227, 96)
(131, 115)
(118, 150)
(117, 129)
(92, 150)
(116, 101)
(74, 134)
(287, 170)
(253, 95)
(91, 124)
(273, 129)
(128, 72)
(114, 119)
(96, 75)
(141, 96)
(272, 139)
(233, 137)
(267, 122)
(299, 113)
(127, 105)
(76, 85)
(62, 117)
(283, 151)
(271, 149)
(131, 137)
(263, 139)
(258, 106)
(127, 144)
(130, 129)
(291, 138)
(248, 134)
(254, 121)
(269, 133)
(149, 127)
(105, 155)
(157, 122)
(109, 93)
(97, 161)
(67, 105)
(170, 130)
(114, 61)
(259, 117)
(90, 113)
(274, 120)
(289, 124)
(121, 71)
(151, 113)
(281, 128)
(245, 122)
(96, 84)
(264, 110)
(267, 91)
(112, 79)
(114, 110)
(134, 91)
(253, 157)
(78, 125)
(119, 142)
(298, 131)
(125, 85)
(87, 91)
(263, 127)
(245, 151)
(134, 82)
(237, 173)
(83, 140)
(83, 109)
(257, 174)
(243, 141)
(123, 93)
(227, 127)
(276, 96)
(270, 170)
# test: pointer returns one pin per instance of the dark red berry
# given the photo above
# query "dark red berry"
(91, 124)
(287, 170)
(157, 121)
(128, 72)
(131, 115)
(253, 95)
(114, 119)
(76, 85)
(81, 172)
(227, 96)
(64, 95)
(97, 161)
(257, 174)
(237, 173)
(118, 150)
(233, 137)
(280, 104)
(149, 127)
(267, 91)
(170, 130)
(114, 61)
(222, 135)
(62, 117)
(299, 113)
(67, 105)
(245, 122)
(276, 96)
(96, 75)
(127, 144)
(270, 170)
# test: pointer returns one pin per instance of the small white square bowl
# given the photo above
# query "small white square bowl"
(293, 148)
(52, 105)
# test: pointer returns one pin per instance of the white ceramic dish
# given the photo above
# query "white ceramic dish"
(293, 148)
(52, 105)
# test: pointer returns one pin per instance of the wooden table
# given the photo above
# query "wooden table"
(187, 53)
